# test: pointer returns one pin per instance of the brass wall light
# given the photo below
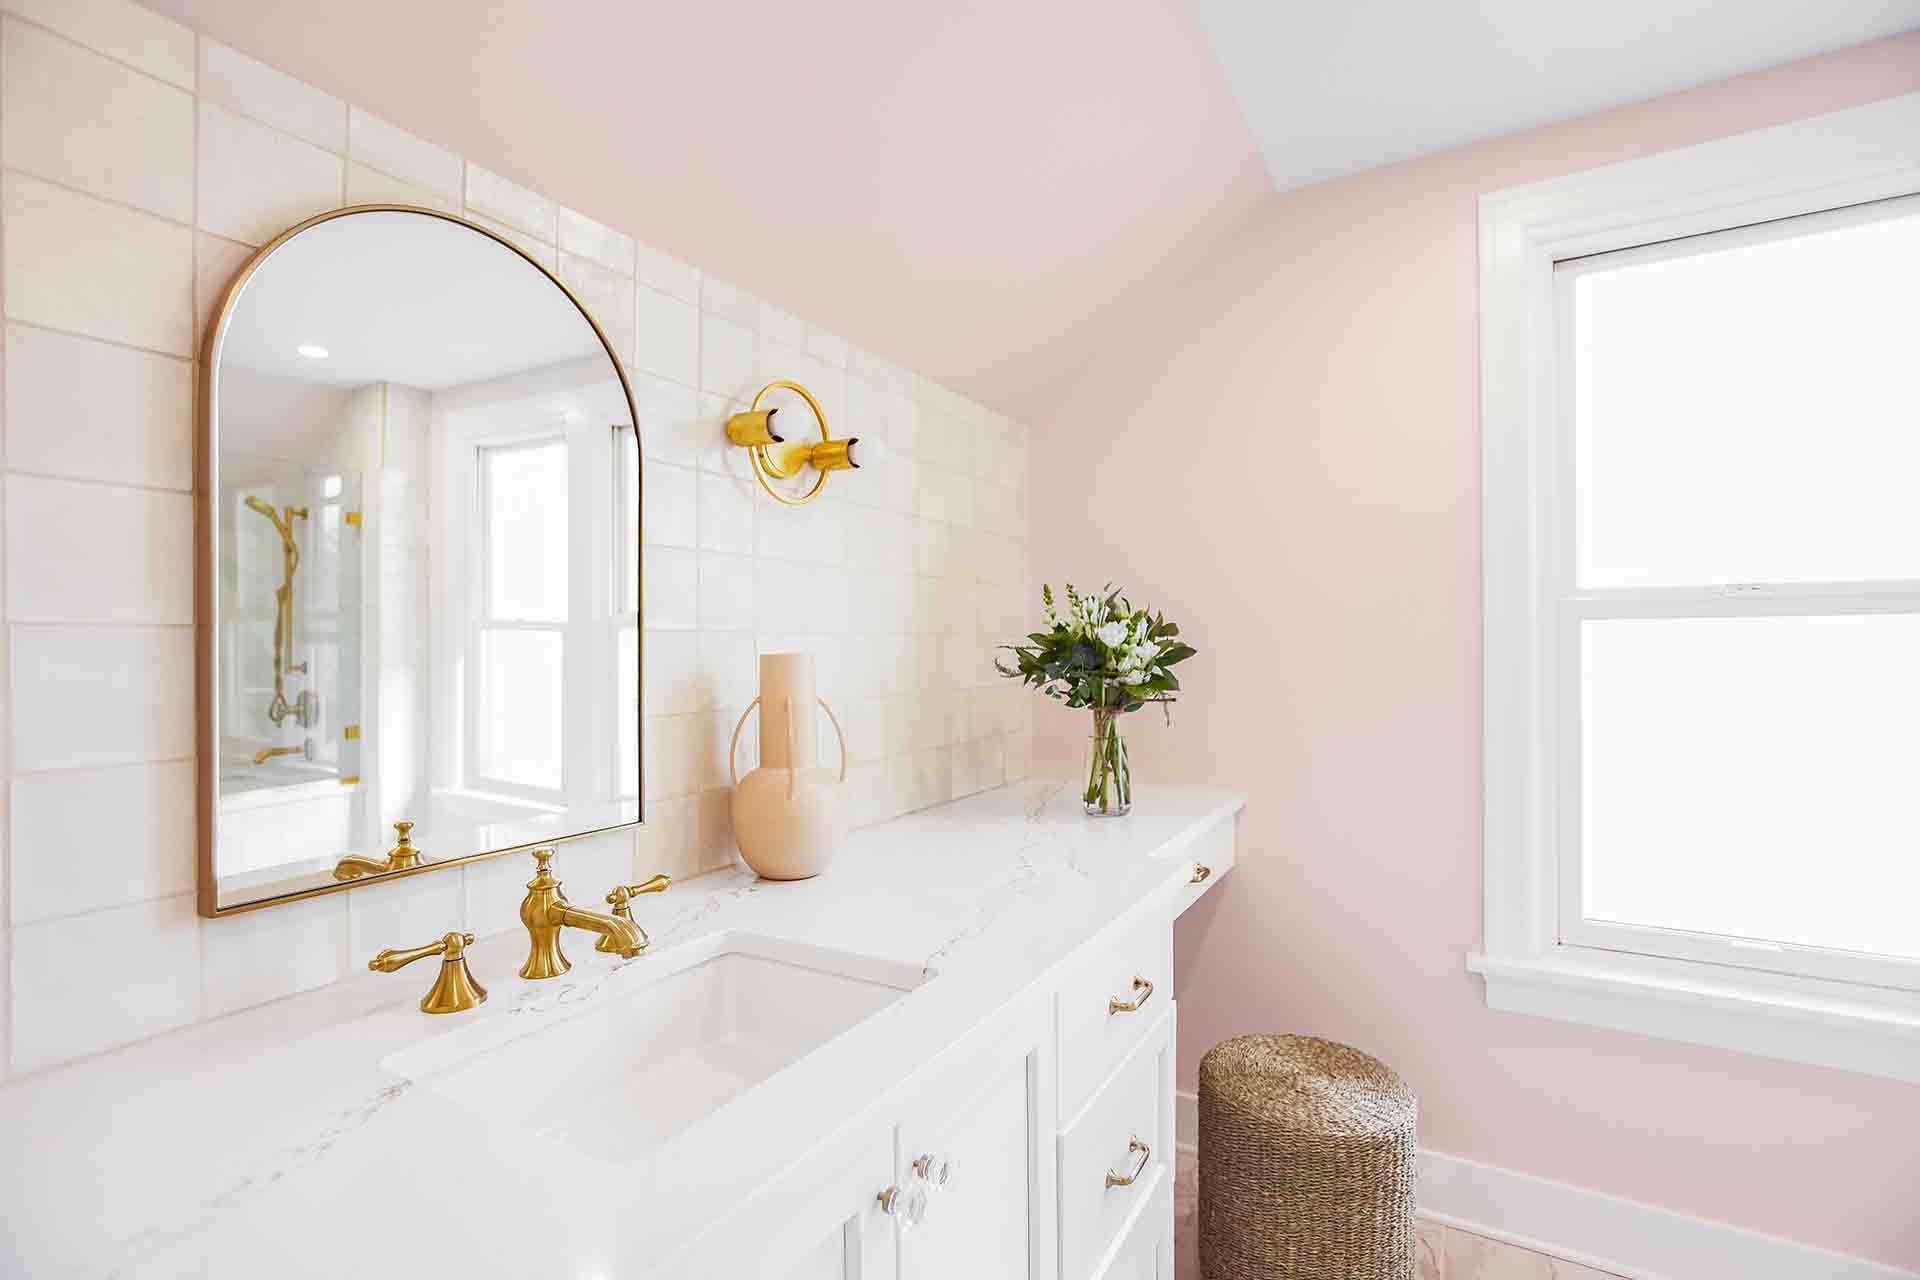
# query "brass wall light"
(777, 458)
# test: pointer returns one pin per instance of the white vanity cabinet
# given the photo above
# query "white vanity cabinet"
(1040, 1147)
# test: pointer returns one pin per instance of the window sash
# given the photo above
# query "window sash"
(1565, 735)
(1570, 606)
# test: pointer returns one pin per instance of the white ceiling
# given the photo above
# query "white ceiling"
(402, 297)
(1335, 87)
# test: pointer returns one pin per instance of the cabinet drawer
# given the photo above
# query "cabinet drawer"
(1147, 1251)
(1124, 1137)
(1134, 967)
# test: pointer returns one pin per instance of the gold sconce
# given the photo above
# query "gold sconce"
(777, 458)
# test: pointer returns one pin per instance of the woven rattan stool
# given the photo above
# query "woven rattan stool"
(1306, 1163)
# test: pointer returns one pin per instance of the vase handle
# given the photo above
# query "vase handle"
(838, 733)
(733, 745)
(733, 775)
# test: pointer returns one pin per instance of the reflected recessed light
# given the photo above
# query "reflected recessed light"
(311, 352)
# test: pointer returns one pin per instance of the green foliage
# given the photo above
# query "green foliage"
(1101, 653)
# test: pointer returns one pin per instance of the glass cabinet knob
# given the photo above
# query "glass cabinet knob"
(906, 1205)
(935, 1170)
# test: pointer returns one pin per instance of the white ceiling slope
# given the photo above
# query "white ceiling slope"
(1335, 87)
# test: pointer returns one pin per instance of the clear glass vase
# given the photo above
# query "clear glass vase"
(1109, 792)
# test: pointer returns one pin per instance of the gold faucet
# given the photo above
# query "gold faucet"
(402, 857)
(268, 753)
(618, 901)
(545, 911)
(454, 990)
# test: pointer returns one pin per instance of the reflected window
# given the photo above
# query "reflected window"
(520, 628)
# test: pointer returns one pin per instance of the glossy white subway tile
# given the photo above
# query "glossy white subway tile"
(392, 150)
(672, 676)
(720, 298)
(670, 587)
(729, 359)
(83, 552)
(669, 508)
(673, 760)
(256, 181)
(581, 235)
(666, 336)
(256, 956)
(84, 839)
(660, 270)
(726, 593)
(402, 913)
(367, 185)
(86, 266)
(84, 120)
(121, 29)
(216, 263)
(729, 668)
(608, 298)
(726, 513)
(671, 426)
(271, 96)
(541, 251)
(85, 983)
(91, 410)
(513, 204)
(668, 840)
(91, 695)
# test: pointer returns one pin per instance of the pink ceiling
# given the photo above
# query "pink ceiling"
(973, 188)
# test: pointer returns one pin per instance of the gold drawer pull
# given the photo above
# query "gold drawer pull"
(1145, 1152)
(1200, 873)
(1117, 1005)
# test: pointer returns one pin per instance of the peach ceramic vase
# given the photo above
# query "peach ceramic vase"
(790, 815)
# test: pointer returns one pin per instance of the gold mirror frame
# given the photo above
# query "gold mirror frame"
(206, 575)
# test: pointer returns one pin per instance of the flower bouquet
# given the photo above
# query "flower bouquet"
(1104, 654)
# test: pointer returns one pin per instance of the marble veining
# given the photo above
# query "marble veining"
(274, 1141)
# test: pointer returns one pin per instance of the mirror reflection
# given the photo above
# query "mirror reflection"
(425, 541)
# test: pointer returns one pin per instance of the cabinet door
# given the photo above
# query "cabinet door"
(994, 1213)
(823, 1222)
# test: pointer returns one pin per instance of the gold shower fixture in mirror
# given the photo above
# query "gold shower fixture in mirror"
(775, 457)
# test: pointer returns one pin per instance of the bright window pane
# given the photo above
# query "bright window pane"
(1750, 414)
(526, 533)
(520, 722)
(1754, 777)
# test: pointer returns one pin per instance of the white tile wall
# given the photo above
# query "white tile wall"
(138, 168)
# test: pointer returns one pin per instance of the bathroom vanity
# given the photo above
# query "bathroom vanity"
(951, 1055)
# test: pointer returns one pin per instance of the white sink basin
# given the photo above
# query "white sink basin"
(631, 1065)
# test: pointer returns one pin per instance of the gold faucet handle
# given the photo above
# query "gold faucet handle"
(618, 899)
(622, 893)
(403, 855)
(454, 990)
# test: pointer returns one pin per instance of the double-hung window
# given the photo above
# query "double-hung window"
(1703, 595)
(520, 627)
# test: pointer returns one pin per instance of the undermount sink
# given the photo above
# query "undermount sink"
(704, 1023)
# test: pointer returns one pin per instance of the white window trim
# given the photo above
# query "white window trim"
(1849, 157)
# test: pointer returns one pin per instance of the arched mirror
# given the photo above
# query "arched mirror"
(420, 562)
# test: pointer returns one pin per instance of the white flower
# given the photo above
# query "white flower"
(1112, 635)
(1134, 677)
(1146, 652)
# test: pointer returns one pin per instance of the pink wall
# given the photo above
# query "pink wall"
(1284, 454)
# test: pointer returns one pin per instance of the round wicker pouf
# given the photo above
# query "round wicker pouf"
(1306, 1163)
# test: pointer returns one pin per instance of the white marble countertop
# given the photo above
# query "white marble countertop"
(274, 1142)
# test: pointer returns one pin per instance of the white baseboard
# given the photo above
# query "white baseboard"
(1624, 1237)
